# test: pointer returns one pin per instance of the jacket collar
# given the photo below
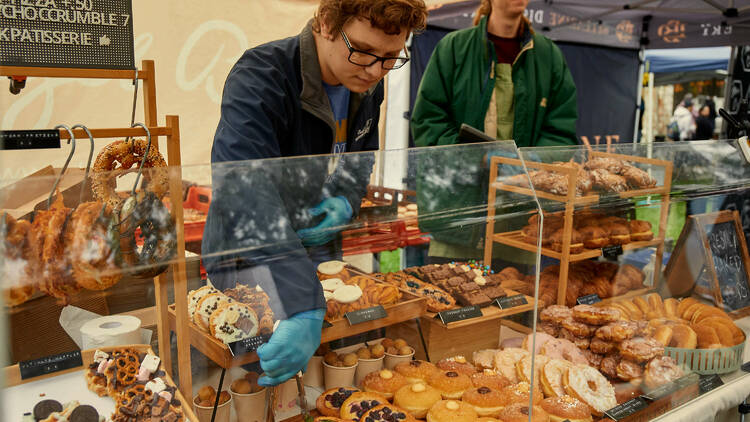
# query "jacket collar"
(313, 97)
(527, 36)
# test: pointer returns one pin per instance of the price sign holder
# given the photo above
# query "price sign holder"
(460, 314)
(510, 301)
(588, 299)
(50, 364)
(367, 314)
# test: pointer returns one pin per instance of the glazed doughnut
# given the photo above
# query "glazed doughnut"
(146, 211)
(656, 304)
(416, 398)
(329, 403)
(663, 335)
(580, 342)
(670, 307)
(661, 370)
(384, 382)
(534, 343)
(608, 365)
(450, 384)
(683, 337)
(92, 243)
(578, 329)
(617, 331)
(523, 368)
(641, 349)
(600, 346)
(489, 378)
(628, 370)
(592, 358)
(593, 315)
(15, 253)
(128, 154)
(549, 328)
(519, 412)
(505, 362)
(555, 314)
(588, 385)
(567, 408)
(551, 377)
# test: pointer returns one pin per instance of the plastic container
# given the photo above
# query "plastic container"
(708, 361)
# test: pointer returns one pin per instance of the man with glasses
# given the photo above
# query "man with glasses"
(315, 93)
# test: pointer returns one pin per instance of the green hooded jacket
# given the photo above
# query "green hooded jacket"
(458, 87)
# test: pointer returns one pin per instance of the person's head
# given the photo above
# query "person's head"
(705, 111)
(510, 9)
(352, 33)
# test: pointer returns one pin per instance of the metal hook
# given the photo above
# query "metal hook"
(65, 166)
(135, 101)
(145, 154)
(88, 163)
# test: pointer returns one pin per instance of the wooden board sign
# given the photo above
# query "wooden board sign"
(95, 34)
(711, 259)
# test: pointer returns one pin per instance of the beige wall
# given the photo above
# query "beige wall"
(194, 44)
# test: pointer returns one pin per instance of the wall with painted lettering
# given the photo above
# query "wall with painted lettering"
(194, 44)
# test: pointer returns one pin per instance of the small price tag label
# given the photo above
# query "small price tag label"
(709, 382)
(29, 139)
(248, 345)
(50, 364)
(367, 314)
(626, 409)
(588, 299)
(612, 252)
(510, 301)
(746, 366)
(459, 314)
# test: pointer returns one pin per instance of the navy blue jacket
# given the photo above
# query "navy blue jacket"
(274, 105)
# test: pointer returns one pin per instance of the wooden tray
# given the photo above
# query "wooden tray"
(409, 308)
(489, 313)
(12, 375)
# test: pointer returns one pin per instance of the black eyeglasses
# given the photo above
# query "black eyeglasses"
(365, 59)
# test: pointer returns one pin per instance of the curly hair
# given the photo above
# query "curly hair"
(485, 7)
(391, 16)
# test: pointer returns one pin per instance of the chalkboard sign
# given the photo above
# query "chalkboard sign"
(460, 314)
(367, 314)
(67, 33)
(626, 409)
(29, 139)
(710, 259)
(588, 299)
(508, 302)
(709, 382)
(50, 364)
(248, 345)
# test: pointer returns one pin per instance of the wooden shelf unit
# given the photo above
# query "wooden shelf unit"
(570, 200)
(170, 131)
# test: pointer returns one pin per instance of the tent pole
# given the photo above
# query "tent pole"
(728, 88)
(651, 113)
(639, 97)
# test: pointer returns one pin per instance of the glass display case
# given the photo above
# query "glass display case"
(467, 281)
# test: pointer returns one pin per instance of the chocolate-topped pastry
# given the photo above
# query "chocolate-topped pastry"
(44, 408)
(84, 413)
(469, 287)
(456, 281)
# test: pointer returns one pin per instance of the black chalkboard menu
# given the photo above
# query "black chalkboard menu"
(95, 34)
(729, 264)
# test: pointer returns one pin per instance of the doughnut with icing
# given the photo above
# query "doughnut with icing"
(566, 407)
(416, 398)
(588, 385)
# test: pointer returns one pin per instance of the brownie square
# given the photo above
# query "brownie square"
(469, 287)
(477, 299)
(441, 274)
(494, 292)
(456, 281)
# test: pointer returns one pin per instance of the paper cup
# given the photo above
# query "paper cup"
(336, 377)
(366, 366)
(286, 397)
(222, 412)
(314, 373)
(249, 407)
(392, 360)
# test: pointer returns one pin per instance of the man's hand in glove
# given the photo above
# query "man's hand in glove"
(338, 212)
(290, 347)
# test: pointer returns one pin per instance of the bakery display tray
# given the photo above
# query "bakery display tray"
(19, 396)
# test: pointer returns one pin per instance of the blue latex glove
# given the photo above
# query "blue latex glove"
(338, 211)
(291, 346)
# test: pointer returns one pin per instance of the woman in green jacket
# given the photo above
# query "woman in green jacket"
(500, 77)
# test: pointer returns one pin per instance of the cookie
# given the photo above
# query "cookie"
(233, 322)
(206, 306)
(84, 413)
(196, 295)
(44, 408)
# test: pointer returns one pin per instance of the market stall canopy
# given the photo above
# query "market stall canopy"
(671, 66)
(625, 24)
